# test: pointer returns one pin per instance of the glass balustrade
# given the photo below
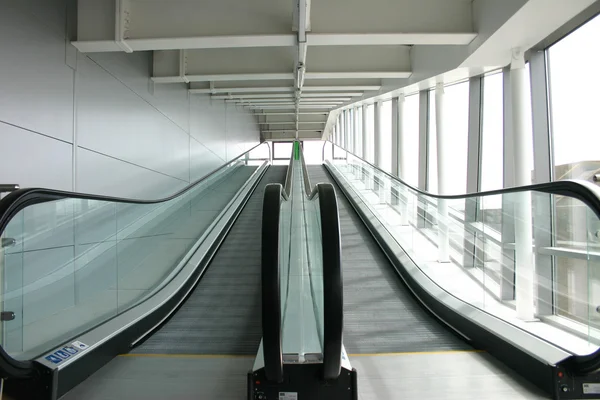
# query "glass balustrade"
(70, 264)
(530, 258)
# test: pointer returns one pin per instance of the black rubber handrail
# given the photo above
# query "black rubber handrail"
(586, 192)
(333, 288)
(270, 286)
(21, 198)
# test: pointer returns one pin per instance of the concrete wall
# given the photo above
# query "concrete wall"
(96, 123)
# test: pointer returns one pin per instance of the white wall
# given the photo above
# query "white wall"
(132, 138)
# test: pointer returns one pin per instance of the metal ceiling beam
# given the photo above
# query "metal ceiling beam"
(386, 39)
(243, 90)
(224, 77)
(359, 75)
(340, 88)
(283, 40)
(292, 122)
(315, 96)
(324, 113)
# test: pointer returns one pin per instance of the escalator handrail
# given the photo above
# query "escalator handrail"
(21, 198)
(579, 189)
(586, 192)
(333, 289)
(270, 285)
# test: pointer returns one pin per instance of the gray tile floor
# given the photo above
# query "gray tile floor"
(445, 375)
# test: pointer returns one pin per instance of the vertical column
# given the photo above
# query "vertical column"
(402, 161)
(355, 144)
(377, 150)
(507, 284)
(523, 228)
(442, 156)
(365, 134)
(350, 146)
(471, 251)
(344, 128)
(395, 137)
(423, 154)
(377, 156)
(395, 193)
(543, 205)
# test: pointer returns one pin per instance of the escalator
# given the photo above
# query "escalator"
(223, 314)
(173, 277)
(248, 261)
(380, 314)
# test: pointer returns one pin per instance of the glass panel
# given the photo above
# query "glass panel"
(511, 279)
(75, 263)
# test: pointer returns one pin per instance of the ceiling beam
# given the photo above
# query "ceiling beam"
(224, 77)
(243, 90)
(324, 113)
(358, 75)
(386, 39)
(336, 88)
(292, 122)
(283, 40)
(282, 76)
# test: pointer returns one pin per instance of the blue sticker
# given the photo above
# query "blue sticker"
(52, 358)
(70, 350)
(62, 354)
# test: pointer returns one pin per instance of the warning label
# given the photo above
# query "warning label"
(288, 395)
(591, 388)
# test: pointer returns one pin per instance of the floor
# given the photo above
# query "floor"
(440, 375)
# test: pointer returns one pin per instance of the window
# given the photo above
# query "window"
(492, 135)
(573, 63)
(370, 127)
(386, 136)
(411, 139)
(456, 127)
(282, 150)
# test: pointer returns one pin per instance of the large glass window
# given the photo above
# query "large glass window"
(456, 127)
(411, 139)
(492, 134)
(370, 128)
(386, 136)
(573, 64)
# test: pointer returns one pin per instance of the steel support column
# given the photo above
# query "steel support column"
(523, 216)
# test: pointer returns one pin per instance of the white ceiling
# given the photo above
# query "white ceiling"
(302, 58)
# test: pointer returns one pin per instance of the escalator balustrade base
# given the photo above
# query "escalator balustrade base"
(303, 381)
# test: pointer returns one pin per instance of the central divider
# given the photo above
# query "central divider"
(302, 353)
